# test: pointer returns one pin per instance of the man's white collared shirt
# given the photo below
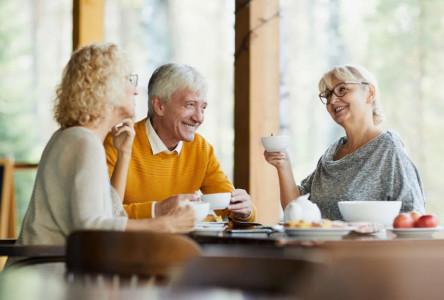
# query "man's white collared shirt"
(157, 146)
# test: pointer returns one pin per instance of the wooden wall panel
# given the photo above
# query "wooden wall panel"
(256, 101)
(88, 22)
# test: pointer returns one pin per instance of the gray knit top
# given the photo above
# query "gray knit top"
(380, 170)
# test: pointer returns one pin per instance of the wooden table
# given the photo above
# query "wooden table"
(354, 267)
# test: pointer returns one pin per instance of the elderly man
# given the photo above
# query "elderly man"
(169, 160)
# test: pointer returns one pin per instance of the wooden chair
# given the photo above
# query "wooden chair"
(8, 207)
(8, 215)
(128, 255)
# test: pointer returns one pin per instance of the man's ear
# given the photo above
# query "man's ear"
(158, 106)
(371, 93)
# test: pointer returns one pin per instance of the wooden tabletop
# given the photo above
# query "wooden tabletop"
(352, 267)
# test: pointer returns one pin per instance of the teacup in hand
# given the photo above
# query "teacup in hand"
(201, 209)
(275, 143)
(217, 200)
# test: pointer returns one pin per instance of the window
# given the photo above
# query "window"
(35, 44)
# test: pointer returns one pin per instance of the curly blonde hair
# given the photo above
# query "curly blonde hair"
(93, 83)
(354, 73)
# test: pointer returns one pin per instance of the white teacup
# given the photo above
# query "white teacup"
(276, 143)
(217, 200)
(201, 209)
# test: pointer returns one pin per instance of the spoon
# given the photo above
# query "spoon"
(244, 223)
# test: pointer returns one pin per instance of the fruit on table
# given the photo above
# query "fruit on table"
(415, 219)
(403, 220)
(427, 221)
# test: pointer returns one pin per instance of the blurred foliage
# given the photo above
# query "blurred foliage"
(16, 98)
(17, 115)
(31, 52)
(410, 73)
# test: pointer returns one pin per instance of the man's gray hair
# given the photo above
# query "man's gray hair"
(169, 78)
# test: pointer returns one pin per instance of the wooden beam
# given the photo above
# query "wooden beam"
(8, 210)
(88, 26)
(256, 92)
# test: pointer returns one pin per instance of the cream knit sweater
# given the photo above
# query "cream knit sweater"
(72, 190)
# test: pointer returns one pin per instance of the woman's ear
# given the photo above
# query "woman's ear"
(158, 106)
(371, 93)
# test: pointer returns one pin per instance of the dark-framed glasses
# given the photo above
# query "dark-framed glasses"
(339, 90)
(133, 78)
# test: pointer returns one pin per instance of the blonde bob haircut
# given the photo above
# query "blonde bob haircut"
(169, 78)
(354, 73)
(93, 83)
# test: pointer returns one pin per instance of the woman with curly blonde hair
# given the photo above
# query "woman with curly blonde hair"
(72, 190)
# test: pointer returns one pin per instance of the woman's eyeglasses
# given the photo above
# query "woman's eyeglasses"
(339, 90)
(133, 78)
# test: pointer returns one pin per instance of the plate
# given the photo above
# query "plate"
(209, 229)
(248, 231)
(415, 232)
(319, 231)
(211, 224)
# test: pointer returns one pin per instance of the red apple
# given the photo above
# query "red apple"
(403, 220)
(427, 221)
(415, 215)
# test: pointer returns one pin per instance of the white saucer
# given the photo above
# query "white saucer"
(210, 224)
(209, 229)
(318, 231)
(425, 232)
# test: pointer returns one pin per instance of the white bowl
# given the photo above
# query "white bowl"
(201, 209)
(275, 143)
(217, 200)
(383, 212)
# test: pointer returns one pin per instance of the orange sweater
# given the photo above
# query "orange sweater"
(157, 177)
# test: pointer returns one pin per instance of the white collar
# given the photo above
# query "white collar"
(157, 146)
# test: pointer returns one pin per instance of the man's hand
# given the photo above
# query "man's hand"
(240, 203)
(123, 136)
(173, 203)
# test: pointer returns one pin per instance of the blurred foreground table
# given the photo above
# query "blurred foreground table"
(351, 267)
(271, 266)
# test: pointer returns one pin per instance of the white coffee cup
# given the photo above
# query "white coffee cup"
(201, 209)
(276, 143)
(217, 200)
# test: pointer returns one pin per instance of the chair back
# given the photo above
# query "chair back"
(8, 219)
(8, 209)
(126, 254)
